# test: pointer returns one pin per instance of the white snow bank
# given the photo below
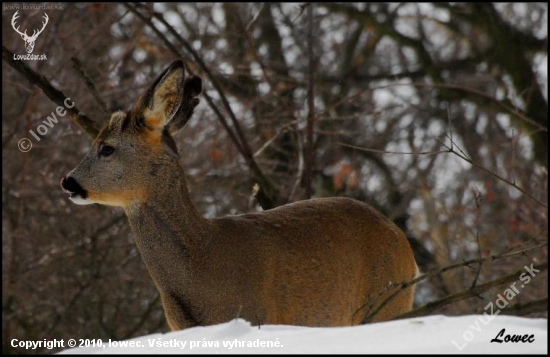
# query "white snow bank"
(433, 334)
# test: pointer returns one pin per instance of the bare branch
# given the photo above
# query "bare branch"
(467, 293)
(431, 274)
(513, 110)
(56, 96)
(451, 150)
(527, 308)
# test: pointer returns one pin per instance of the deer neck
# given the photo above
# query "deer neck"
(167, 228)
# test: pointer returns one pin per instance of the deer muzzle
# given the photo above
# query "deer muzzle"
(77, 193)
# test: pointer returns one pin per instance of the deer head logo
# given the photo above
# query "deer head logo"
(29, 40)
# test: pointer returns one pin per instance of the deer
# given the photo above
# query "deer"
(315, 262)
(29, 40)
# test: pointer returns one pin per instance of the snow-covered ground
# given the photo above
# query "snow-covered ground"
(433, 334)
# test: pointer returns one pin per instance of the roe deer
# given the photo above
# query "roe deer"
(318, 262)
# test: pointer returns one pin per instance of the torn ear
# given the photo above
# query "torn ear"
(192, 87)
(162, 100)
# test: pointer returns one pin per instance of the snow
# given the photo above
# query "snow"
(432, 334)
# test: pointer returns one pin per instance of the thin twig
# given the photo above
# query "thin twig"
(393, 152)
(495, 175)
(513, 165)
(301, 8)
(77, 65)
(300, 172)
(284, 129)
(255, 18)
(309, 149)
(477, 199)
(450, 125)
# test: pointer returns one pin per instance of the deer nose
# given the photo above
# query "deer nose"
(65, 185)
(71, 186)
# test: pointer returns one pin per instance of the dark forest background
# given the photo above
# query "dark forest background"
(434, 113)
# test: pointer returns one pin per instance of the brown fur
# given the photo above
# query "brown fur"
(319, 262)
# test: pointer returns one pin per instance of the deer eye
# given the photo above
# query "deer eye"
(106, 150)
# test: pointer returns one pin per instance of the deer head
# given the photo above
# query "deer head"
(132, 147)
(29, 40)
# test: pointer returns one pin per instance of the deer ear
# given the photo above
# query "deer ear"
(160, 102)
(192, 87)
